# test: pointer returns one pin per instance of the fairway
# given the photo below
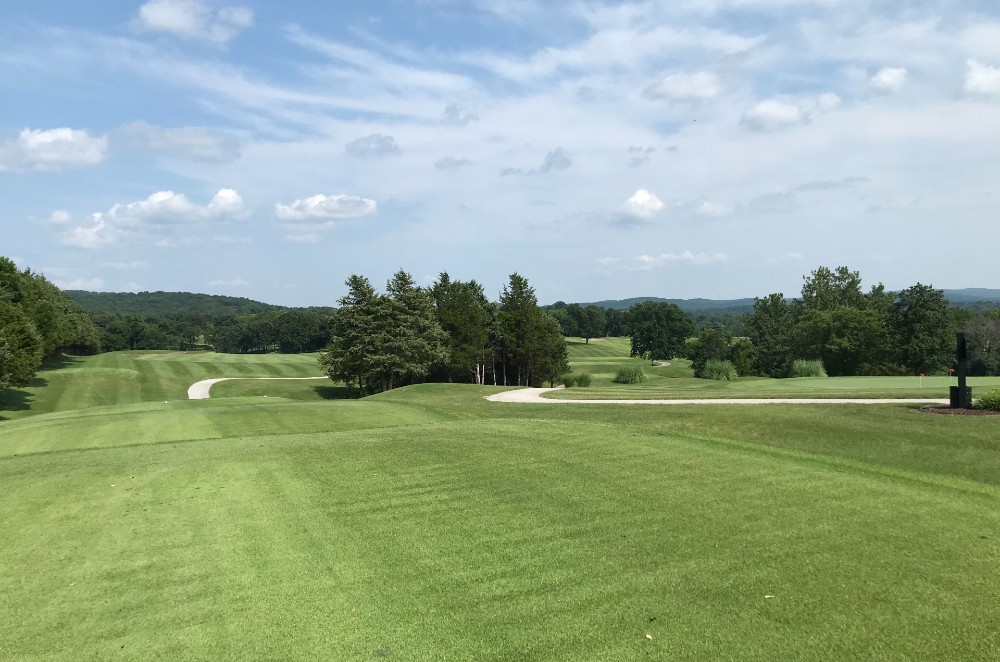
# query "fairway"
(278, 521)
(602, 357)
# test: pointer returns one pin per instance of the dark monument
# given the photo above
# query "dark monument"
(961, 395)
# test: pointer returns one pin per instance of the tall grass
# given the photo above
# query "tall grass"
(630, 373)
(803, 368)
(722, 371)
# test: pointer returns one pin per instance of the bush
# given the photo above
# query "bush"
(802, 368)
(630, 373)
(582, 380)
(722, 371)
(990, 400)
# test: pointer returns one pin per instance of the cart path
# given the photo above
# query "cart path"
(200, 390)
(534, 396)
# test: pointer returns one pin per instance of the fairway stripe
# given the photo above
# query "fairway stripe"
(534, 396)
(200, 390)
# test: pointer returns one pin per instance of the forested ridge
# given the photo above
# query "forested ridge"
(37, 321)
(450, 331)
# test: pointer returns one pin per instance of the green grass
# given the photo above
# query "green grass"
(426, 523)
(676, 381)
(143, 376)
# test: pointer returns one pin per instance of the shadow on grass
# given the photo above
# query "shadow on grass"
(16, 400)
(58, 362)
(336, 392)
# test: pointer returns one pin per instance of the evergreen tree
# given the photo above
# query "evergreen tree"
(769, 328)
(465, 315)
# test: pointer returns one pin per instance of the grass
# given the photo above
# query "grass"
(426, 523)
(676, 381)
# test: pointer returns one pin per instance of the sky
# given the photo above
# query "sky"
(603, 150)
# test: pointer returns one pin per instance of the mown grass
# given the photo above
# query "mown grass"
(119, 378)
(426, 523)
(676, 381)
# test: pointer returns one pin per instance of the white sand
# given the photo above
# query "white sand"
(199, 390)
(534, 396)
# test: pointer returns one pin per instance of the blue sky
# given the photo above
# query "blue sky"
(697, 148)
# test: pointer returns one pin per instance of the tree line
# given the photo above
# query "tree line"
(852, 331)
(447, 332)
(37, 321)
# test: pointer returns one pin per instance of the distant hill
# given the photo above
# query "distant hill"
(687, 305)
(969, 297)
(165, 303)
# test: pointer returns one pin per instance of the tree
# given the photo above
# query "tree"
(848, 330)
(384, 341)
(711, 345)
(741, 354)
(465, 315)
(849, 341)
(525, 336)
(421, 343)
(22, 347)
(359, 336)
(769, 328)
(589, 321)
(922, 327)
(983, 336)
(826, 289)
(658, 330)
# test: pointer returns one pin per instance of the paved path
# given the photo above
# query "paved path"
(199, 390)
(534, 395)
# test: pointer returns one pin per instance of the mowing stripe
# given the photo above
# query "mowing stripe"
(200, 390)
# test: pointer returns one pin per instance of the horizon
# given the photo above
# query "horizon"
(703, 149)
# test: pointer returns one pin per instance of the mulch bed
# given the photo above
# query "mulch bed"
(959, 412)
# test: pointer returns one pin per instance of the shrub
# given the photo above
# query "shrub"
(723, 371)
(802, 368)
(630, 373)
(569, 380)
(583, 380)
(989, 400)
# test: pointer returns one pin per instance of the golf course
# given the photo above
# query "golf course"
(281, 520)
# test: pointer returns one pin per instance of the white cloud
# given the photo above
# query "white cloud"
(163, 208)
(713, 210)
(133, 287)
(95, 235)
(52, 150)
(557, 159)
(167, 207)
(700, 86)
(772, 115)
(889, 79)
(60, 217)
(455, 115)
(192, 142)
(775, 114)
(322, 210)
(375, 146)
(644, 262)
(192, 19)
(643, 205)
(982, 79)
